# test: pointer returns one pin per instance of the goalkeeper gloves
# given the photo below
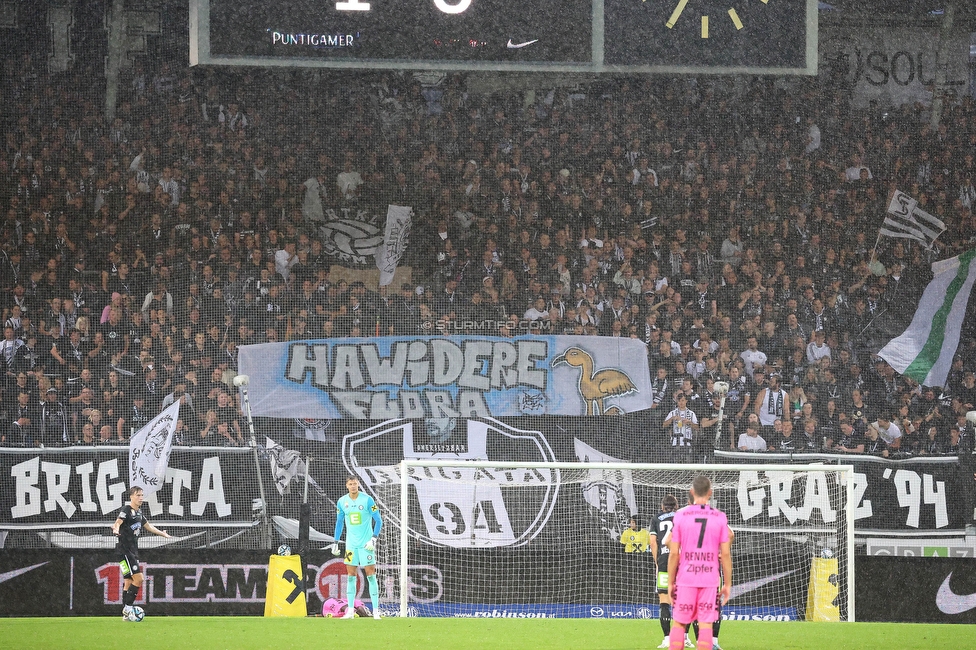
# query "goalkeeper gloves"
(335, 549)
(370, 545)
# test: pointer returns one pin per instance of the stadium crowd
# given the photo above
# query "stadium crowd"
(734, 233)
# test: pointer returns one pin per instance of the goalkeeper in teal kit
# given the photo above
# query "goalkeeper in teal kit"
(358, 513)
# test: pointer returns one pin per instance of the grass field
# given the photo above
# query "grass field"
(241, 633)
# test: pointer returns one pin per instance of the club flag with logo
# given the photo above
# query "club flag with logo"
(924, 351)
(905, 220)
(609, 492)
(286, 464)
(150, 448)
(483, 509)
(398, 221)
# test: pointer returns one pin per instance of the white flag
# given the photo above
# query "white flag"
(610, 492)
(924, 351)
(905, 220)
(149, 450)
(399, 218)
(286, 464)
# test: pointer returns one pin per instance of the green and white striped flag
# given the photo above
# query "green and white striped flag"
(924, 351)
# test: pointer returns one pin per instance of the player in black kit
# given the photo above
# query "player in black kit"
(127, 527)
(661, 526)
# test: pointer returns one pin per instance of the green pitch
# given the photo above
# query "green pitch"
(241, 633)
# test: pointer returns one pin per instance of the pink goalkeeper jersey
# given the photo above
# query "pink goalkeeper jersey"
(700, 530)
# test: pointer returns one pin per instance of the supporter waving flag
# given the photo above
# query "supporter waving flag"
(905, 220)
(925, 350)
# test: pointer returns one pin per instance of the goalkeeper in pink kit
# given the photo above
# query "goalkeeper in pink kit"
(699, 546)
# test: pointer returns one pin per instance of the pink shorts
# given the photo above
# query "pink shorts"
(695, 603)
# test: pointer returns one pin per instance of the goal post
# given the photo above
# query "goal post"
(544, 539)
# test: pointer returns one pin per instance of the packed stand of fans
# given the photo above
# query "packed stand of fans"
(734, 235)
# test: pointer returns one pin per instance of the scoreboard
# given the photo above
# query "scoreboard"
(674, 36)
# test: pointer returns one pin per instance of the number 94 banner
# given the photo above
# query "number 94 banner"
(447, 377)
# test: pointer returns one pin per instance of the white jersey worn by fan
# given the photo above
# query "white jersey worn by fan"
(681, 432)
(751, 443)
(753, 358)
(889, 434)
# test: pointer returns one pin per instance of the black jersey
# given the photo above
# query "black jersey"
(131, 528)
(659, 527)
(738, 391)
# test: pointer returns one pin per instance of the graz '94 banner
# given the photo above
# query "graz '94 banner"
(446, 377)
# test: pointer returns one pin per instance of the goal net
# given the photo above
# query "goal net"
(521, 540)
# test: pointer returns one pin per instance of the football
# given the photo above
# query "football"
(137, 614)
(284, 549)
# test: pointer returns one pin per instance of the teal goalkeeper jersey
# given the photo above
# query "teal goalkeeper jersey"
(358, 517)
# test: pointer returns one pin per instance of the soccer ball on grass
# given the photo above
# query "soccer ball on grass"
(137, 614)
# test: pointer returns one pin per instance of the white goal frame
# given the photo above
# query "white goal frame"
(847, 471)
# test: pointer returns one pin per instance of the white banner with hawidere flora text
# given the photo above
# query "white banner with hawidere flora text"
(462, 376)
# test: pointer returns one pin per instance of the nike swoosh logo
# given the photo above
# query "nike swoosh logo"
(950, 603)
(752, 585)
(10, 575)
(515, 46)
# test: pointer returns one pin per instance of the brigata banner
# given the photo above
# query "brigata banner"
(909, 494)
(447, 377)
(59, 489)
(77, 487)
